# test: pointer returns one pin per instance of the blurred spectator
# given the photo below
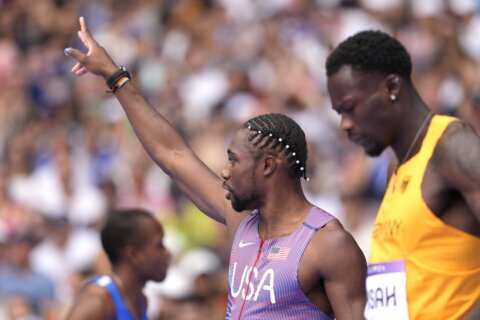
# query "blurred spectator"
(28, 294)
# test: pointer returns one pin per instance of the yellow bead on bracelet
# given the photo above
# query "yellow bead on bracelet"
(118, 79)
(120, 83)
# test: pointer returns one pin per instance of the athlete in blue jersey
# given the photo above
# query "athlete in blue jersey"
(288, 261)
(133, 241)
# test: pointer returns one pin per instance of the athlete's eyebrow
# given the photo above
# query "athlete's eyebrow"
(343, 102)
(341, 105)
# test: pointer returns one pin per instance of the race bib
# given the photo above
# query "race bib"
(386, 291)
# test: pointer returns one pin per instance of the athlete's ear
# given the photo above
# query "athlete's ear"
(393, 86)
(131, 254)
(269, 165)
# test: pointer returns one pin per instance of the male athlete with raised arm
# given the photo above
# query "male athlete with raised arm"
(289, 259)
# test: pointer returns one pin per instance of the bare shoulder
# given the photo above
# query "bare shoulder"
(458, 136)
(339, 263)
(93, 302)
(456, 155)
(333, 247)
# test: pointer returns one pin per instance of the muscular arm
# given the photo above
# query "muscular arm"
(458, 154)
(94, 302)
(342, 265)
(166, 147)
(163, 143)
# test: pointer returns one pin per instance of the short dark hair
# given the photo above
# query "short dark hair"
(279, 132)
(121, 229)
(371, 51)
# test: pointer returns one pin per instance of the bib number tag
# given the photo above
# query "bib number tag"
(386, 291)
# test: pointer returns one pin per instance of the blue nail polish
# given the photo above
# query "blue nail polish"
(66, 51)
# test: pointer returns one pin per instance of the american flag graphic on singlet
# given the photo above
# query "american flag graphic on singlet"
(263, 283)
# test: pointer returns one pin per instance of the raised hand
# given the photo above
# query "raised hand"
(96, 60)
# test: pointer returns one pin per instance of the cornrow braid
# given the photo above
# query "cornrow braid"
(282, 134)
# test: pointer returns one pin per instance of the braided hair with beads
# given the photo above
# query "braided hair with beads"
(280, 133)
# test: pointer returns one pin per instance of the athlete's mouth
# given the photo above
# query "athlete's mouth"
(229, 191)
(356, 138)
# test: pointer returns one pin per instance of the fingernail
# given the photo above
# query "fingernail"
(66, 51)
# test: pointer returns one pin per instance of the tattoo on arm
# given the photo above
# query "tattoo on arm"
(459, 154)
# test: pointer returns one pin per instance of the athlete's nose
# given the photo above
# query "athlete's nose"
(225, 174)
(346, 123)
(168, 255)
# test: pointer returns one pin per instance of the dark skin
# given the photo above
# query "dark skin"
(336, 285)
(451, 183)
(320, 278)
(94, 303)
(137, 265)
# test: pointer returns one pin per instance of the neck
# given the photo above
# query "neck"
(412, 131)
(129, 284)
(284, 210)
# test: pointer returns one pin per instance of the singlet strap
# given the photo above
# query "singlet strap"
(121, 309)
(437, 127)
(111, 287)
(317, 218)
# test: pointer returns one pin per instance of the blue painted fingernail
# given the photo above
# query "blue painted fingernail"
(66, 51)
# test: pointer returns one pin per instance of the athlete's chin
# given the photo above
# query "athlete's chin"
(374, 150)
(160, 277)
(240, 206)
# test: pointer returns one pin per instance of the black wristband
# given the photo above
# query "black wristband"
(122, 72)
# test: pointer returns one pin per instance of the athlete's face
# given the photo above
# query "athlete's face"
(362, 101)
(152, 256)
(239, 174)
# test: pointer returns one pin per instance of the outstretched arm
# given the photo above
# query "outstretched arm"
(163, 143)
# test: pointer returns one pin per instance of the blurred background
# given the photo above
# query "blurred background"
(68, 153)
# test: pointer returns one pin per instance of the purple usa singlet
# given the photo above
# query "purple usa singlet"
(270, 272)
